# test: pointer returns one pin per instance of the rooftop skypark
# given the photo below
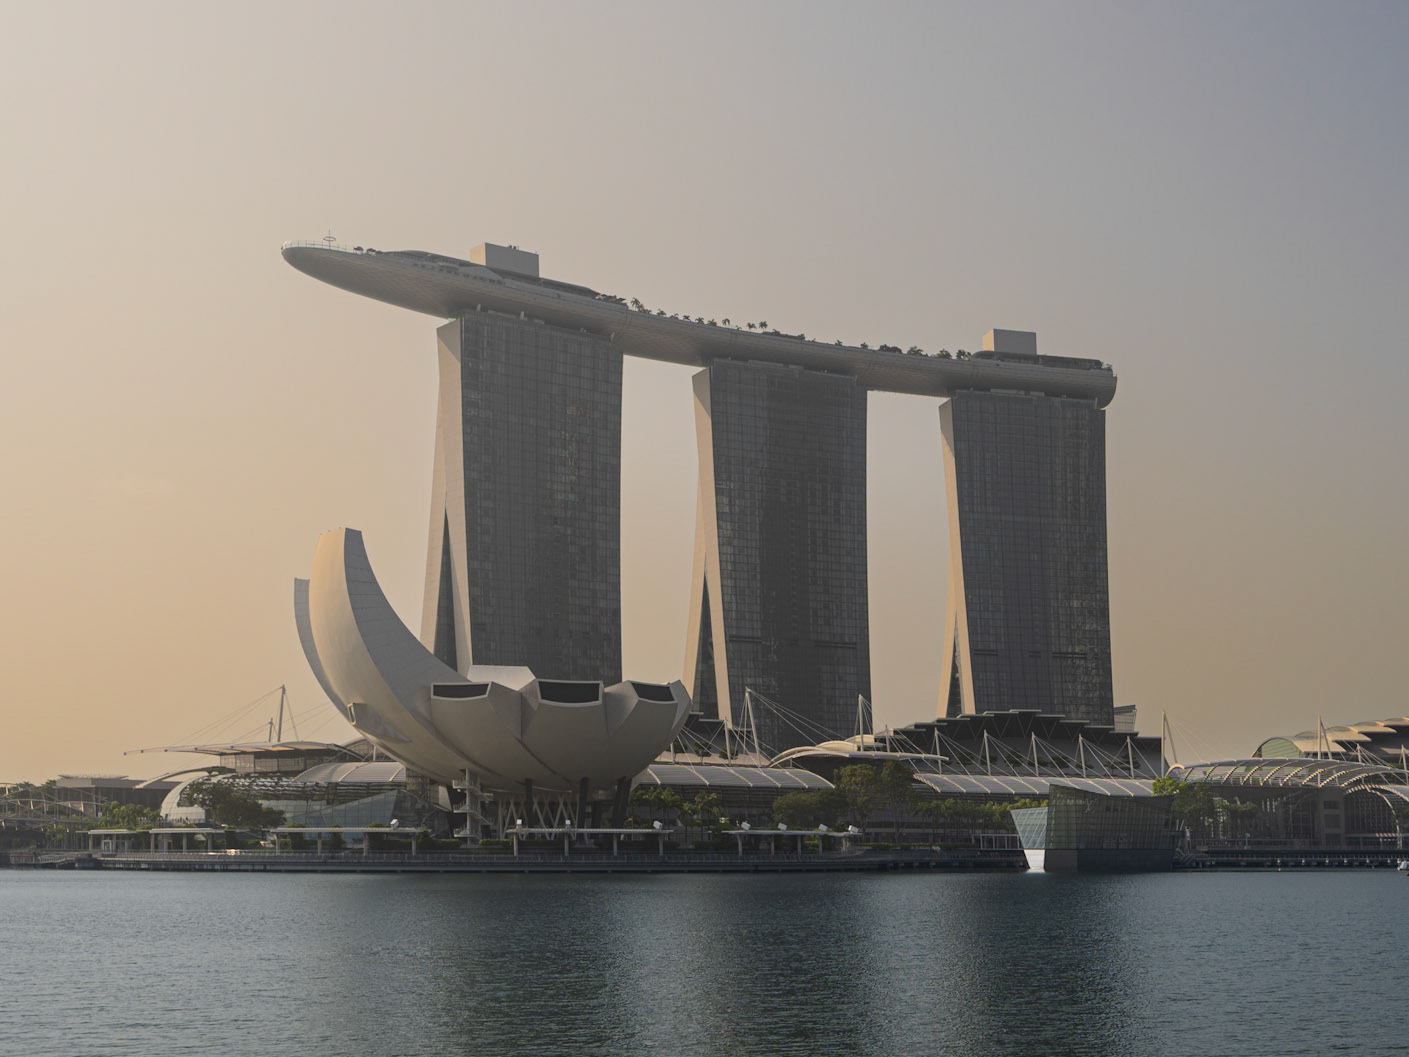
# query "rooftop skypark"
(505, 279)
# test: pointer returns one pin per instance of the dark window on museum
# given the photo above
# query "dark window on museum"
(652, 692)
(459, 690)
(566, 693)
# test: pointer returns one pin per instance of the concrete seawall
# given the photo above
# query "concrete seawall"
(585, 862)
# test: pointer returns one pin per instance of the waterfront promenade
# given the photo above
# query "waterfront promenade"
(589, 862)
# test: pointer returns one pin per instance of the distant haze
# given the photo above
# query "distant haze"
(1210, 197)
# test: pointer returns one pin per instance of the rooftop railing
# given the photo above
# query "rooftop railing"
(453, 266)
(320, 244)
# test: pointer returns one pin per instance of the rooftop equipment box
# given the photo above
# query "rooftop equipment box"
(1020, 342)
(505, 259)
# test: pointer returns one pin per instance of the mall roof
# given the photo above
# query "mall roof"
(1008, 785)
(349, 771)
(864, 747)
(242, 748)
(1299, 772)
(1378, 735)
(714, 776)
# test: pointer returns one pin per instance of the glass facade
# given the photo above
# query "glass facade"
(787, 451)
(1031, 824)
(1090, 832)
(1028, 515)
(540, 425)
(1080, 820)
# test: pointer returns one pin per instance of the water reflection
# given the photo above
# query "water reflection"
(370, 966)
(976, 964)
(657, 965)
(1036, 966)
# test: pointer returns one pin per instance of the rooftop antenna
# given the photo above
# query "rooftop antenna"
(293, 719)
(749, 736)
(753, 725)
(1166, 737)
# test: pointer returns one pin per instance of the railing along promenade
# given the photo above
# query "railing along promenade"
(1289, 858)
(577, 861)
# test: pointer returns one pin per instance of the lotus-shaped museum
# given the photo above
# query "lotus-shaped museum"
(496, 728)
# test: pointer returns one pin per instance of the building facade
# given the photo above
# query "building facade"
(779, 590)
(523, 558)
(524, 555)
(1028, 621)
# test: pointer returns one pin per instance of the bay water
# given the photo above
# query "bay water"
(95, 963)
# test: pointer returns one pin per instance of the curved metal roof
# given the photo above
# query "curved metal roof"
(358, 771)
(715, 776)
(1376, 734)
(853, 748)
(446, 287)
(244, 748)
(1298, 772)
(1010, 785)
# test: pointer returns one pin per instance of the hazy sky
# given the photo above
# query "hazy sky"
(1209, 196)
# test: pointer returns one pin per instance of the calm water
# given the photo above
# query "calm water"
(364, 966)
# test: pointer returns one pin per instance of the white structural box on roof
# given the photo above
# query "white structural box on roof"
(505, 259)
(1021, 342)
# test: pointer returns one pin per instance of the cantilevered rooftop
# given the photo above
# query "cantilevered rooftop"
(448, 287)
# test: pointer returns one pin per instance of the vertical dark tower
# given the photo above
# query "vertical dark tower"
(1028, 622)
(524, 558)
(779, 593)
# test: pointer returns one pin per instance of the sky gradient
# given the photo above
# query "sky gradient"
(1210, 197)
